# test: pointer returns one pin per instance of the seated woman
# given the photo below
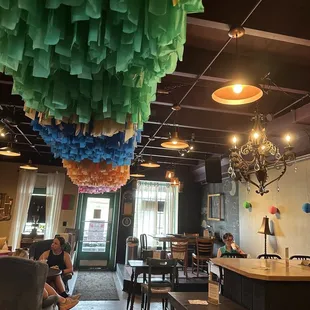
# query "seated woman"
(230, 246)
(64, 303)
(57, 258)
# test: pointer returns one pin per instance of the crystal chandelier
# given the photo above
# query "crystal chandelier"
(257, 155)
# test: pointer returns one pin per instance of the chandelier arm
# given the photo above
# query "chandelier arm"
(280, 176)
(248, 179)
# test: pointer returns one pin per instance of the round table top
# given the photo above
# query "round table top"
(53, 272)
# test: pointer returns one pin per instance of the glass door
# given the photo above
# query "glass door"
(96, 230)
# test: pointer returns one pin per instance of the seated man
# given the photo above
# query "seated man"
(57, 258)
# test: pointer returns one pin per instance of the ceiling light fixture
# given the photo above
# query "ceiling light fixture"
(169, 174)
(150, 164)
(175, 142)
(175, 181)
(29, 166)
(137, 173)
(257, 155)
(239, 90)
(9, 151)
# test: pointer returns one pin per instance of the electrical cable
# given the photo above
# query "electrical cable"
(198, 78)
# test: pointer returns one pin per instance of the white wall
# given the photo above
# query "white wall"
(8, 184)
(291, 227)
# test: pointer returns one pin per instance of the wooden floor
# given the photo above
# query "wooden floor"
(113, 305)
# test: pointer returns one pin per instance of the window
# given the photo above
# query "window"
(36, 212)
(156, 209)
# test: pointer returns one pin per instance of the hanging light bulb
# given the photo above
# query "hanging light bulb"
(169, 174)
(175, 181)
(29, 166)
(237, 88)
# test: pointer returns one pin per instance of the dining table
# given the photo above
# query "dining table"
(53, 272)
(199, 301)
(265, 284)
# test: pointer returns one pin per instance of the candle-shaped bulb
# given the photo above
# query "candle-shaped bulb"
(256, 135)
(288, 138)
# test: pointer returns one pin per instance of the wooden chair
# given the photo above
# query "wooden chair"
(143, 244)
(300, 257)
(269, 256)
(204, 250)
(179, 251)
(233, 255)
(159, 289)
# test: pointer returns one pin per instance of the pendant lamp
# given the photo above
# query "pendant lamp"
(137, 173)
(9, 151)
(29, 166)
(175, 181)
(150, 164)
(175, 143)
(239, 90)
(169, 174)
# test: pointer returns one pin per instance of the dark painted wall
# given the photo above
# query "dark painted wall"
(230, 223)
(189, 205)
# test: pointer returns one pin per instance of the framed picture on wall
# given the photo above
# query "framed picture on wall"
(215, 207)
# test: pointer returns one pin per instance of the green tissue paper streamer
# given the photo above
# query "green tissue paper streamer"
(92, 58)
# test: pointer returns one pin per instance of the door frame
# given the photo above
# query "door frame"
(82, 200)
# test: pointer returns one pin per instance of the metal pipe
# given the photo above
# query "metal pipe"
(199, 76)
(292, 104)
(30, 143)
(197, 128)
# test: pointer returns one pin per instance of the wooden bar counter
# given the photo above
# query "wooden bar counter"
(259, 284)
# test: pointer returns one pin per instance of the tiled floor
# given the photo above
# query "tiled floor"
(113, 305)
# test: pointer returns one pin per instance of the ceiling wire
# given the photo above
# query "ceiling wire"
(198, 78)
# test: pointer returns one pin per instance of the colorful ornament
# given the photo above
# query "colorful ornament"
(67, 142)
(273, 210)
(306, 207)
(87, 173)
(247, 205)
(82, 59)
(97, 190)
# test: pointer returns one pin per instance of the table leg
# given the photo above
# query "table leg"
(131, 287)
(133, 293)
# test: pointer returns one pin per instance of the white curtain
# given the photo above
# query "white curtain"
(148, 220)
(25, 186)
(54, 193)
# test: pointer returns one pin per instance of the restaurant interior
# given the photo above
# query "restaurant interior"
(154, 154)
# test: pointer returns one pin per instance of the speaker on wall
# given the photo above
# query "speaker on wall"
(213, 170)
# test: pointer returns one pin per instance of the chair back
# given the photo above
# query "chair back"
(75, 236)
(300, 257)
(269, 256)
(162, 267)
(179, 248)
(21, 283)
(191, 235)
(233, 255)
(38, 248)
(204, 247)
(143, 242)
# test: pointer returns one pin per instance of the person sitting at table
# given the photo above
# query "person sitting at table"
(230, 246)
(64, 303)
(57, 258)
